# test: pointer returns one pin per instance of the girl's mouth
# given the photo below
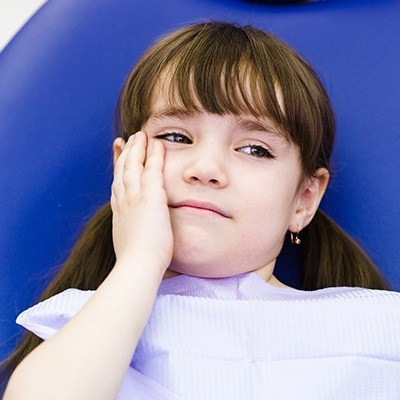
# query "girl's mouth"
(201, 205)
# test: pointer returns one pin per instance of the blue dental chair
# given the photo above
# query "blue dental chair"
(59, 82)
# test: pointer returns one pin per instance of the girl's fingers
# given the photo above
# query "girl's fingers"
(118, 167)
(129, 166)
(152, 177)
(118, 185)
(138, 169)
(133, 164)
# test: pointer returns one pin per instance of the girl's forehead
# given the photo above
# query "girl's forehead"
(166, 92)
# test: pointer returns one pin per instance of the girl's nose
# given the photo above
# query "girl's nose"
(206, 171)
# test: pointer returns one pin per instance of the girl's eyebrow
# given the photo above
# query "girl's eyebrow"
(174, 112)
(263, 126)
(257, 125)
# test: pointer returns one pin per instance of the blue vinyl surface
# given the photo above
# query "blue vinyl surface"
(59, 82)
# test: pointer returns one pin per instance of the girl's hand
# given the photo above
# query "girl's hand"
(143, 244)
(141, 220)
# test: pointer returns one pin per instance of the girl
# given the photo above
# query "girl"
(223, 148)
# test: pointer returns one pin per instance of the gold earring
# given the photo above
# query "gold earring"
(295, 238)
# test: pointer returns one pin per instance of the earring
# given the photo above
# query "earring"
(295, 239)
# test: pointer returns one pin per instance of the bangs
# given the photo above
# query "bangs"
(221, 76)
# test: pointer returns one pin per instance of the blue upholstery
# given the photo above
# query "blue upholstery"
(59, 82)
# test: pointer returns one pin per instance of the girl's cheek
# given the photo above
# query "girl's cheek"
(173, 170)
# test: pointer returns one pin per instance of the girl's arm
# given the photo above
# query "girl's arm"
(88, 358)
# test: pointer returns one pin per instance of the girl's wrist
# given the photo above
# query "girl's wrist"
(143, 266)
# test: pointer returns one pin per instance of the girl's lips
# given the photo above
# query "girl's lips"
(202, 205)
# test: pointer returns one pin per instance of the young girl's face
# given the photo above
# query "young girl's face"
(232, 183)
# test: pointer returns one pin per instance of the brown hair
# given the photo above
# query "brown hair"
(220, 62)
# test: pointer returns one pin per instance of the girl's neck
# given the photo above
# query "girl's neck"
(271, 279)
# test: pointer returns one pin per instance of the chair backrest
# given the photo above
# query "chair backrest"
(59, 82)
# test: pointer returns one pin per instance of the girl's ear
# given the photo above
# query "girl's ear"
(309, 197)
(118, 146)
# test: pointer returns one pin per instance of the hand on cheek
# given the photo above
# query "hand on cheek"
(141, 219)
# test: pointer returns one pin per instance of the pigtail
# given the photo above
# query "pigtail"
(88, 264)
(329, 257)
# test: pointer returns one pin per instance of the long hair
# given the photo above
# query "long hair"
(229, 69)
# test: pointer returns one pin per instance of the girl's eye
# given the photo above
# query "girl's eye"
(175, 137)
(257, 151)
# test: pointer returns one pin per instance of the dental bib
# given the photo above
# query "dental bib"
(242, 338)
